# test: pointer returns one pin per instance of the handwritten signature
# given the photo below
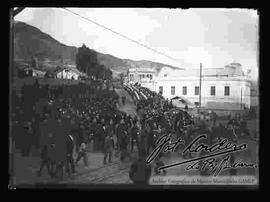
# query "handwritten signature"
(215, 167)
(220, 148)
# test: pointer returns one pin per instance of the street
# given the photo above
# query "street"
(25, 168)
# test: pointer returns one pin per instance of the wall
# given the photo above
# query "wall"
(234, 98)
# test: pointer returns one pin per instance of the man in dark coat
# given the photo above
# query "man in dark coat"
(122, 138)
(123, 147)
(134, 135)
(93, 130)
(186, 107)
(150, 139)
(27, 134)
(79, 137)
(140, 172)
(75, 130)
(97, 137)
(129, 121)
(120, 132)
(108, 148)
(44, 160)
(142, 139)
(70, 160)
(214, 118)
(104, 132)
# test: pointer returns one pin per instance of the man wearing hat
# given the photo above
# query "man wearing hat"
(121, 133)
(108, 147)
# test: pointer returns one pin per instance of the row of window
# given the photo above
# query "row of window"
(147, 76)
(197, 90)
(141, 76)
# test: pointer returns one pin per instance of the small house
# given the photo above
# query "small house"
(68, 73)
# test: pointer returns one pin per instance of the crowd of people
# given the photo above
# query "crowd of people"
(58, 120)
(158, 116)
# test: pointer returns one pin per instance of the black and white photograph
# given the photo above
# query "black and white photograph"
(133, 97)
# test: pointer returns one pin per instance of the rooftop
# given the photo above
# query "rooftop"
(143, 70)
(228, 70)
(59, 69)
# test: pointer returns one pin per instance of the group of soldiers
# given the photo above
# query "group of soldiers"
(63, 119)
(68, 118)
(159, 117)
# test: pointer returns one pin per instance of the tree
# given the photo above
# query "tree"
(86, 60)
(103, 73)
(108, 74)
(34, 62)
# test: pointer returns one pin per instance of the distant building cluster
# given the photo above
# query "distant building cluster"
(66, 72)
(222, 88)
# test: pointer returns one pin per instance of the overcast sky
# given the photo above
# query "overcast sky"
(215, 37)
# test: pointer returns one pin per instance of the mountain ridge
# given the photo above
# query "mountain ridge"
(30, 41)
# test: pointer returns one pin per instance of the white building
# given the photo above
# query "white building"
(34, 72)
(139, 74)
(68, 73)
(38, 73)
(222, 88)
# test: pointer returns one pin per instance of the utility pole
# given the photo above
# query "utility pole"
(241, 100)
(200, 98)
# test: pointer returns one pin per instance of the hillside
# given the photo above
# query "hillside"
(30, 41)
(114, 63)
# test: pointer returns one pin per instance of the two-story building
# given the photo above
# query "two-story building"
(221, 88)
(141, 74)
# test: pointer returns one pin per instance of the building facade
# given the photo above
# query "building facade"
(68, 73)
(38, 73)
(141, 75)
(34, 72)
(221, 88)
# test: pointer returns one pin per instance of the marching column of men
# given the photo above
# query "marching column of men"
(157, 120)
(69, 124)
